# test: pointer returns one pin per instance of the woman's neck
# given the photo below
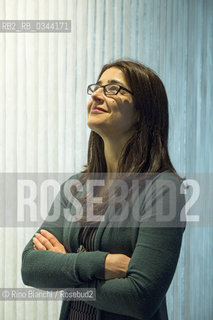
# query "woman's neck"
(112, 152)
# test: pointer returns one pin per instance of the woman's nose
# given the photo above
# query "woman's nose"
(98, 94)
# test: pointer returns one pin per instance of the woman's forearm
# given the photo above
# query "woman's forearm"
(48, 269)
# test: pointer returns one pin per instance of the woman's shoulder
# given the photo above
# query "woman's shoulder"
(73, 180)
(165, 194)
(166, 177)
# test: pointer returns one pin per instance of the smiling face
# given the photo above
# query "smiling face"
(112, 116)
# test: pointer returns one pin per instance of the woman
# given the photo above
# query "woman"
(130, 261)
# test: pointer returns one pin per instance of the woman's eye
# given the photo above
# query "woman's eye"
(113, 88)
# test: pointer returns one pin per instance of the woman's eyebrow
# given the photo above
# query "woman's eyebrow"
(111, 82)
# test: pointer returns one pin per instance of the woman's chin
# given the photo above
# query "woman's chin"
(95, 125)
(101, 130)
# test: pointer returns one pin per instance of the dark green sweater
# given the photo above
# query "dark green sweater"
(154, 249)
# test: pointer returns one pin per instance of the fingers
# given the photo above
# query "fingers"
(38, 245)
(47, 241)
(41, 242)
(52, 239)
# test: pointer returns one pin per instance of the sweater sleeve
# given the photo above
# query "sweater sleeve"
(52, 270)
(152, 265)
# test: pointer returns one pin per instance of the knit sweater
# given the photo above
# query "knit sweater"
(153, 243)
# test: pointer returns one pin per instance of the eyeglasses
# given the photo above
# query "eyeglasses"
(109, 89)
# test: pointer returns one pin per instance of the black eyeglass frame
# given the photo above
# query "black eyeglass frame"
(106, 93)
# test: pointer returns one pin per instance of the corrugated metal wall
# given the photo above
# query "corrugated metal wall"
(43, 80)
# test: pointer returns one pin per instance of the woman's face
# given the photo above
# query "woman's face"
(118, 116)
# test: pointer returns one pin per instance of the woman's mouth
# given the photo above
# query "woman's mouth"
(98, 110)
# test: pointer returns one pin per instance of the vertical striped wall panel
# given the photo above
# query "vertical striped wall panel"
(43, 80)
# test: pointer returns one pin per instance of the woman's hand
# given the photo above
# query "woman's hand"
(116, 266)
(47, 241)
